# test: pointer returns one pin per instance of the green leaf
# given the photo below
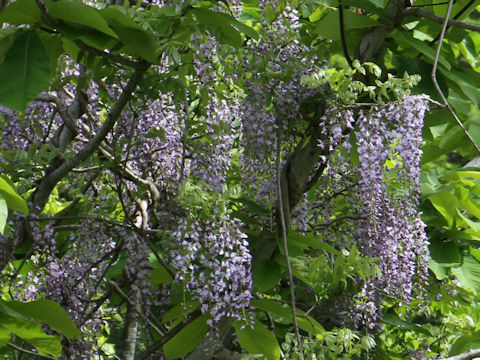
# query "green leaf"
(284, 311)
(3, 213)
(329, 25)
(32, 333)
(468, 273)
(247, 30)
(25, 72)
(475, 226)
(475, 253)
(269, 12)
(253, 206)
(216, 21)
(54, 48)
(159, 275)
(7, 38)
(14, 201)
(441, 272)
(465, 81)
(21, 12)
(187, 339)
(309, 240)
(4, 336)
(369, 6)
(258, 340)
(77, 12)
(116, 15)
(180, 311)
(88, 35)
(406, 39)
(445, 253)
(266, 275)
(446, 204)
(464, 344)
(138, 43)
(50, 313)
(392, 319)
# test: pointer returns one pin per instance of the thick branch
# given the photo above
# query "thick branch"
(465, 356)
(131, 327)
(420, 13)
(41, 194)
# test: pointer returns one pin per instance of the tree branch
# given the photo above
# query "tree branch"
(131, 327)
(42, 192)
(13, 346)
(465, 356)
(435, 82)
(283, 231)
(420, 13)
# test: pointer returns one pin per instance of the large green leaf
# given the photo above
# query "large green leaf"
(25, 72)
(468, 273)
(406, 40)
(5, 336)
(21, 12)
(14, 201)
(284, 311)
(180, 311)
(31, 332)
(441, 272)
(50, 313)
(138, 43)
(446, 204)
(258, 340)
(159, 275)
(117, 16)
(445, 253)
(54, 48)
(77, 12)
(247, 30)
(465, 343)
(266, 275)
(465, 81)
(216, 21)
(309, 240)
(392, 319)
(87, 34)
(3, 213)
(329, 25)
(187, 339)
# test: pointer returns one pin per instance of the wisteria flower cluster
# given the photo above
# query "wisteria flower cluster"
(213, 261)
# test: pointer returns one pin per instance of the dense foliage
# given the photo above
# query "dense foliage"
(239, 179)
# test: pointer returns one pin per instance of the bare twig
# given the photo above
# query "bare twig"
(283, 230)
(160, 342)
(435, 82)
(13, 346)
(417, 12)
(342, 34)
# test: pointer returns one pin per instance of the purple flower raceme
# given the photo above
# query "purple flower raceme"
(213, 261)
(388, 145)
